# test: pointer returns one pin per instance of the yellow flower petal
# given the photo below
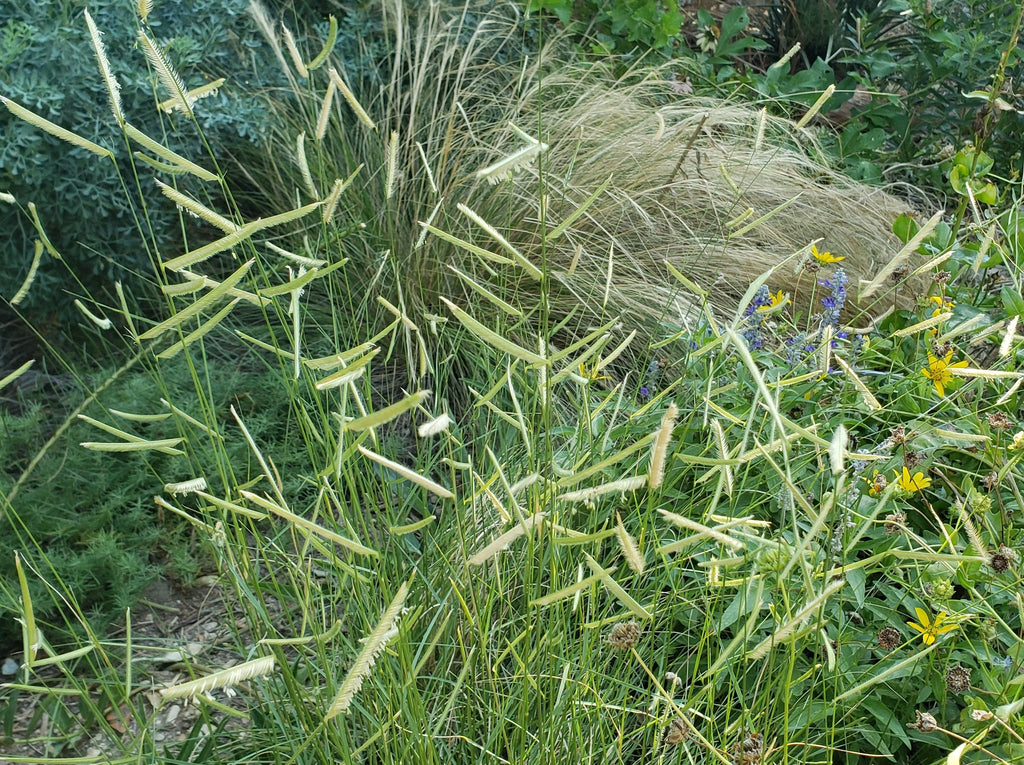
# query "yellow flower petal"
(825, 257)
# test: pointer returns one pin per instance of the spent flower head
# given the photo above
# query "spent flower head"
(889, 638)
(895, 522)
(1002, 560)
(624, 635)
(958, 679)
(677, 732)
(925, 722)
(877, 483)
(999, 421)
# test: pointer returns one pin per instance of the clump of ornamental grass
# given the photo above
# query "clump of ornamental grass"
(499, 182)
(713, 529)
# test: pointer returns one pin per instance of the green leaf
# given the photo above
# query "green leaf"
(561, 8)
(1013, 303)
(905, 227)
(958, 176)
(987, 194)
(941, 236)
(886, 718)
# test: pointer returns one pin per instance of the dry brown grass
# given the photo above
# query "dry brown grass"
(681, 170)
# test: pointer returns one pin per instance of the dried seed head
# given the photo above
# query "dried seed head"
(958, 679)
(889, 638)
(999, 421)
(894, 522)
(677, 732)
(939, 350)
(999, 562)
(624, 635)
(749, 752)
(941, 277)
(900, 272)
(1010, 553)
(898, 436)
(991, 480)
(912, 459)
(924, 723)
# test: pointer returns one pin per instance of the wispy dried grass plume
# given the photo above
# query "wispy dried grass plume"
(113, 88)
(717, 192)
(386, 629)
(661, 442)
(166, 73)
(223, 679)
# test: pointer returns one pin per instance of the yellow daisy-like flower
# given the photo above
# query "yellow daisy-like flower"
(942, 304)
(908, 483)
(825, 257)
(778, 300)
(930, 630)
(938, 371)
(594, 373)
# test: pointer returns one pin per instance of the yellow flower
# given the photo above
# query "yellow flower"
(929, 629)
(911, 484)
(942, 304)
(1018, 441)
(825, 257)
(778, 300)
(938, 371)
(877, 484)
(593, 374)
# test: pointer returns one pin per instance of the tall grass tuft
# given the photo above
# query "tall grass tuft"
(606, 184)
(609, 524)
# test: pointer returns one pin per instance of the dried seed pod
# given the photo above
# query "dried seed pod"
(624, 635)
(889, 638)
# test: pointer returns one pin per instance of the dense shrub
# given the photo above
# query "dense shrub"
(47, 65)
